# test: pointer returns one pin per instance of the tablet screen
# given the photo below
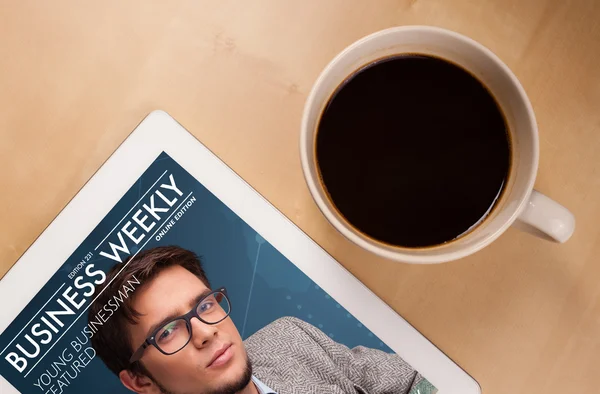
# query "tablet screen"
(177, 290)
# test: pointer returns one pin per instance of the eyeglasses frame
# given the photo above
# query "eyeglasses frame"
(151, 340)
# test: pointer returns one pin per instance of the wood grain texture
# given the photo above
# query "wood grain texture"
(521, 316)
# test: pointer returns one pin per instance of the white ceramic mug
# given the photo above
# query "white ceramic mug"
(519, 205)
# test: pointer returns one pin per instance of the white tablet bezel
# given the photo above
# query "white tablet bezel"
(159, 132)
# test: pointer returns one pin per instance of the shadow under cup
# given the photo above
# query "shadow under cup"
(486, 68)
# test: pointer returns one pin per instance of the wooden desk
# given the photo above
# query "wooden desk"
(521, 316)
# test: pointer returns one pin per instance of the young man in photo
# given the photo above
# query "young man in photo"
(174, 335)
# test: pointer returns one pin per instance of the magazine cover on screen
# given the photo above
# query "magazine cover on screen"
(173, 293)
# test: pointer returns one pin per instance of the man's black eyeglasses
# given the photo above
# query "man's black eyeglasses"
(173, 336)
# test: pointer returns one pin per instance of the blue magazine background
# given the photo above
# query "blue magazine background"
(262, 284)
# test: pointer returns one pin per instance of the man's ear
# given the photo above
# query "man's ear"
(137, 383)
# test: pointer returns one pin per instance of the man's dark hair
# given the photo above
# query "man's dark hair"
(112, 341)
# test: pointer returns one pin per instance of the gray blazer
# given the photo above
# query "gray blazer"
(291, 356)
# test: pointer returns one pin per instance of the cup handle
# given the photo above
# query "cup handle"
(546, 218)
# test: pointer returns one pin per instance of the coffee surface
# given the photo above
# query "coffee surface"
(413, 150)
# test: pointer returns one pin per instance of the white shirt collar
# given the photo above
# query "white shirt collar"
(262, 388)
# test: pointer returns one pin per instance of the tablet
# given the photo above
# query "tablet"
(163, 190)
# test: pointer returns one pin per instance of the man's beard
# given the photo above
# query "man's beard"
(231, 388)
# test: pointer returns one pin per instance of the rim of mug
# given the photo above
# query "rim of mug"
(394, 252)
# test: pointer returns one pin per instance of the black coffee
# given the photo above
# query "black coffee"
(413, 150)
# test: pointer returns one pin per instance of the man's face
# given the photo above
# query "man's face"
(173, 292)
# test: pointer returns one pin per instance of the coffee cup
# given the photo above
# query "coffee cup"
(519, 204)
